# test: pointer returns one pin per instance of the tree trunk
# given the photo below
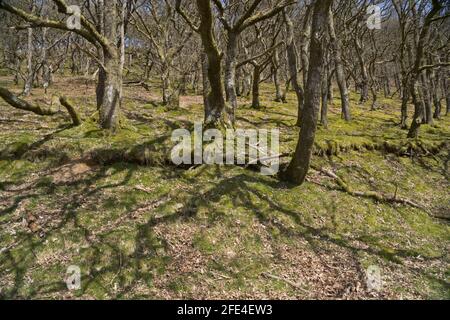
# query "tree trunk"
(230, 73)
(446, 90)
(340, 74)
(330, 88)
(111, 88)
(206, 87)
(405, 101)
(299, 166)
(279, 96)
(171, 97)
(18, 103)
(387, 86)
(398, 85)
(255, 88)
(416, 71)
(374, 98)
(216, 98)
(324, 110)
(246, 82)
(30, 72)
(304, 47)
(292, 62)
(17, 64)
(418, 110)
(110, 76)
(45, 67)
(425, 95)
(364, 84)
(434, 88)
(100, 89)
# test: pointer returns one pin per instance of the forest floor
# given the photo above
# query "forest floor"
(139, 228)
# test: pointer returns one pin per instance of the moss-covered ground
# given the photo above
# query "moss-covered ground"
(139, 228)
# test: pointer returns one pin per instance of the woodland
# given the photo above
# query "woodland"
(91, 92)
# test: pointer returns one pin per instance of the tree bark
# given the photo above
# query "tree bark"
(305, 41)
(216, 98)
(446, 90)
(364, 84)
(279, 96)
(171, 97)
(425, 90)
(110, 77)
(230, 72)
(206, 87)
(416, 71)
(28, 86)
(300, 164)
(256, 104)
(324, 109)
(340, 74)
(292, 62)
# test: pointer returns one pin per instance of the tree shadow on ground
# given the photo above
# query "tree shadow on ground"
(239, 188)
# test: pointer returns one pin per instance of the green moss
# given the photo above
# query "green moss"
(128, 219)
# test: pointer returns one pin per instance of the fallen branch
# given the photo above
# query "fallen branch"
(72, 112)
(370, 194)
(289, 282)
(138, 83)
(18, 103)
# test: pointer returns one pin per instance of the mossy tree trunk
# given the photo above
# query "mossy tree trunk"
(300, 164)
(216, 97)
(215, 108)
(256, 104)
(416, 71)
(446, 90)
(426, 96)
(110, 83)
(324, 109)
(364, 83)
